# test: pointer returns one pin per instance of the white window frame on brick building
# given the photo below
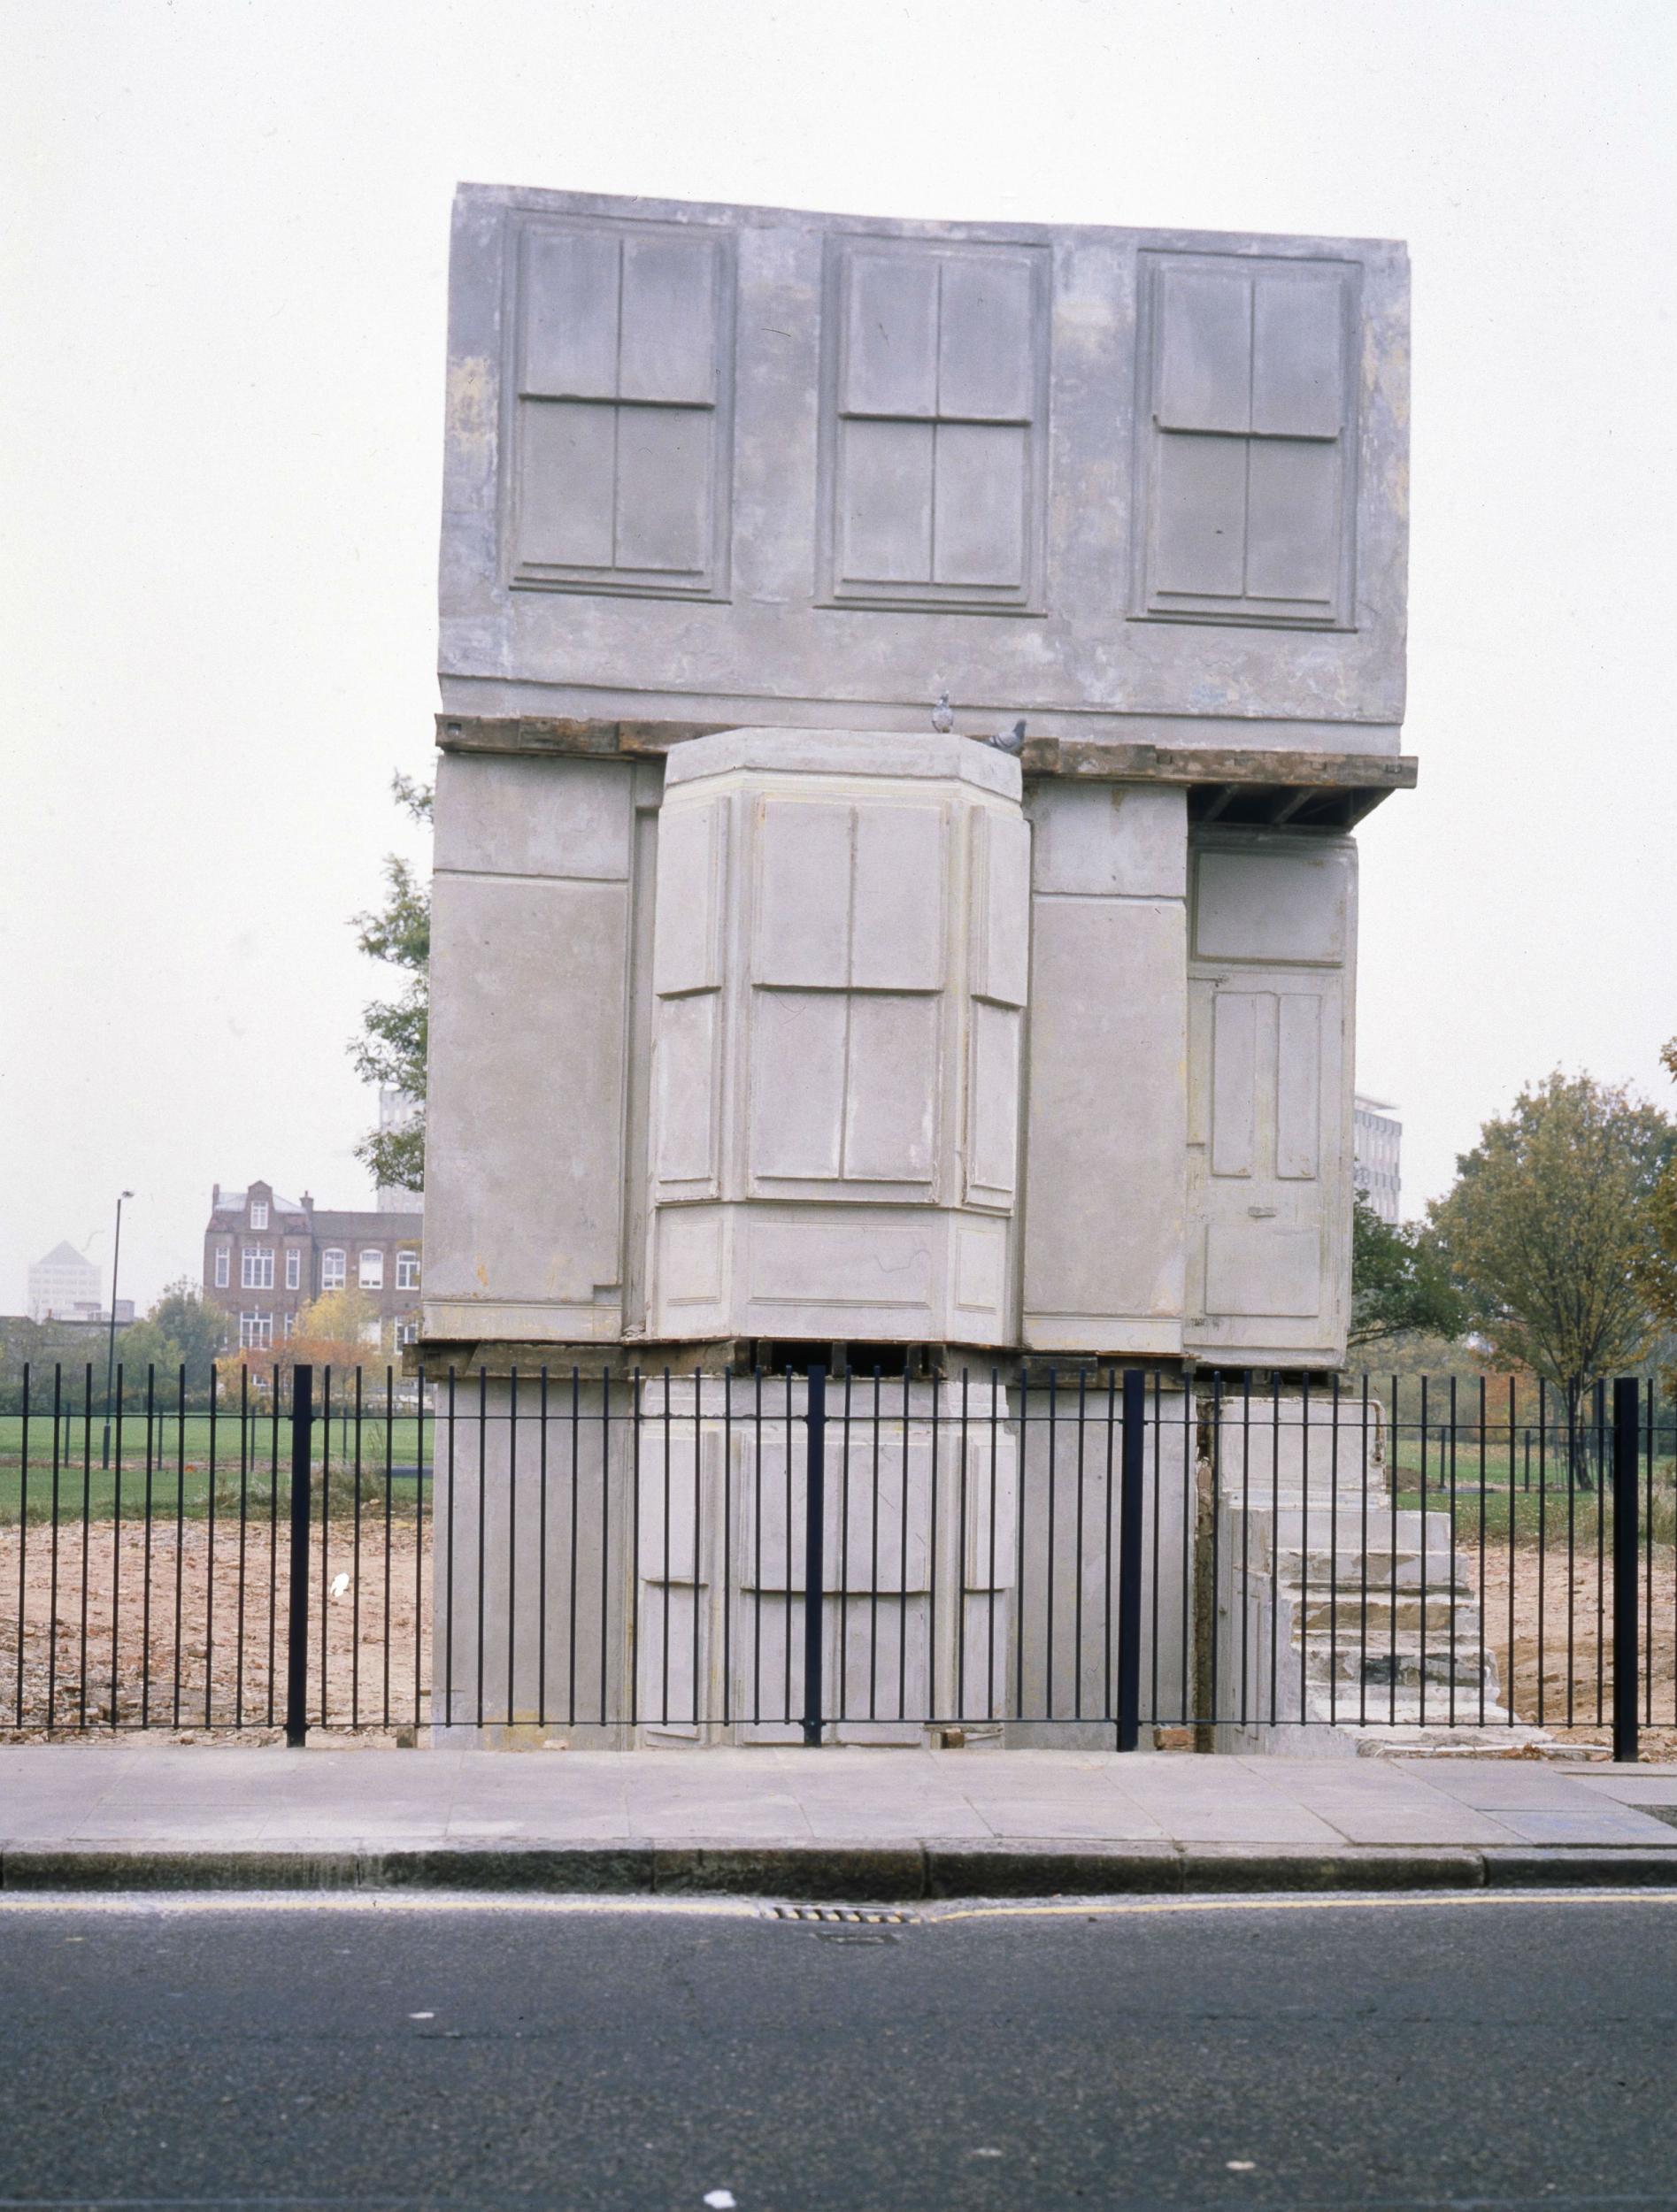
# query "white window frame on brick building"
(407, 1270)
(407, 1329)
(256, 1332)
(334, 1270)
(256, 1267)
(293, 1269)
(258, 1213)
(223, 1265)
(371, 1275)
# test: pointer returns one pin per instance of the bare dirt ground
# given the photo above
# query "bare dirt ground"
(1544, 1664)
(207, 1654)
(194, 1637)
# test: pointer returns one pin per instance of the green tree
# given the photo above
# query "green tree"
(23, 1343)
(1657, 1271)
(340, 1328)
(1400, 1282)
(1547, 1232)
(181, 1330)
(391, 1047)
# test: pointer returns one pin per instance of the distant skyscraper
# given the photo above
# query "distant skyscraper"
(1377, 1148)
(396, 1111)
(64, 1286)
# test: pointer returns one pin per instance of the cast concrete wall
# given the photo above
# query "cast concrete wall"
(531, 1094)
(533, 1559)
(1105, 1070)
(623, 1563)
(1067, 1601)
(778, 1039)
(732, 465)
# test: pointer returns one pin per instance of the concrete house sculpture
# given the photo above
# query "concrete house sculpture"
(771, 1005)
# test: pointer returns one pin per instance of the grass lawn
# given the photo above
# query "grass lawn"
(192, 1454)
(1546, 1515)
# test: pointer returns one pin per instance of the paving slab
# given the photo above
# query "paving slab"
(1068, 1817)
(1364, 1809)
(1628, 1786)
(1531, 1810)
(815, 1822)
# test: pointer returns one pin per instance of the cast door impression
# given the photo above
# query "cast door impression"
(1268, 1080)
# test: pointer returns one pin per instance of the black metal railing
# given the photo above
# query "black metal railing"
(1033, 1557)
(243, 1554)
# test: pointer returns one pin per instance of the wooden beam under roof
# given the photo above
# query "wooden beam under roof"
(1114, 762)
(1259, 786)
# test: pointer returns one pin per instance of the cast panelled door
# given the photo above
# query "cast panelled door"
(1268, 1140)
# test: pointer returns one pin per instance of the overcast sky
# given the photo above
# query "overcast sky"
(220, 422)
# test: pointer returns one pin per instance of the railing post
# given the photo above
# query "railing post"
(296, 1649)
(814, 1551)
(1133, 1460)
(1626, 1655)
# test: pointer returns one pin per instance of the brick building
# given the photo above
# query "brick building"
(266, 1257)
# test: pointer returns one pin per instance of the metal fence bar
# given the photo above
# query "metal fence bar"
(87, 1531)
(815, 1549)
(1131, 1460)
(1626, 1662)
(297, 1650)
(1022, 1586)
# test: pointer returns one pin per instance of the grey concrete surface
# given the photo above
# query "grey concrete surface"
(848, 1823)
(1510, 2052)
(701, 457)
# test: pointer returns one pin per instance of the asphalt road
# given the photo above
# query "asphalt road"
(1520, 2052)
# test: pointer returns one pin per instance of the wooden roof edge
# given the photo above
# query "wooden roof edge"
(544, 735)
(1116, 762)
(1111, 760)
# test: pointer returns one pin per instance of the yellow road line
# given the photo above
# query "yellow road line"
(1256, 1901)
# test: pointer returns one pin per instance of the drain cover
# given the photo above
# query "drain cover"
(841, 1916)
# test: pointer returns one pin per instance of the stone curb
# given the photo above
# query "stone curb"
(885, 1873)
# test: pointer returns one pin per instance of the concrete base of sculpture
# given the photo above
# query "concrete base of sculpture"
(622, 1563)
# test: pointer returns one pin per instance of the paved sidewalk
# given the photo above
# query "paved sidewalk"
(852, 1823)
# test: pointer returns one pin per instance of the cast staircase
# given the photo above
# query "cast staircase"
(1369, 1622)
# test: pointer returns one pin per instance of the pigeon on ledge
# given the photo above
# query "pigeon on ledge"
(942, 714)
(1009, 740)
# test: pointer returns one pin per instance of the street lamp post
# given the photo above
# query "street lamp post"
(110, 1350)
